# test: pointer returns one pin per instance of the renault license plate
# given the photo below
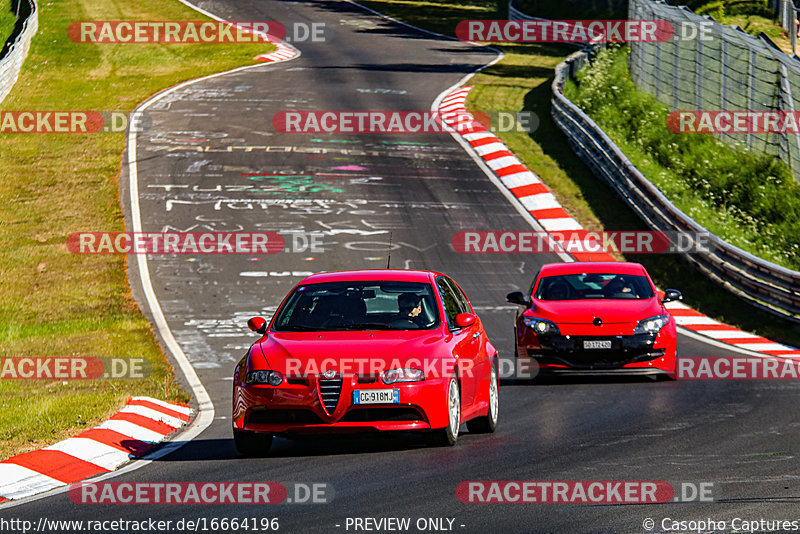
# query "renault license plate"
(597, 344)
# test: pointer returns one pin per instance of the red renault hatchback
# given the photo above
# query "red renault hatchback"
(596, 318)
(373, 350)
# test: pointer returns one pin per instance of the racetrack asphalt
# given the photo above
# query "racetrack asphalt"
(211, 160)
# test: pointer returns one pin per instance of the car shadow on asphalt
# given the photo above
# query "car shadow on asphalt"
(319, 445)
(567, 380)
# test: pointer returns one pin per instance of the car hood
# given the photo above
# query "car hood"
(616, 311)
(347, 352)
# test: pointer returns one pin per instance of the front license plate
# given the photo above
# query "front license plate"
(605, 344)
(376, 396)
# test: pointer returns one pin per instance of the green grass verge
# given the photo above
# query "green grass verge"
(749, 199)
(7, 21)
(521, 82)
(53, 303)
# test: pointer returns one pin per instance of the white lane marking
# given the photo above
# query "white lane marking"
(560, 224)
(694, 320)
(478, 136)
(726, 334)
(20, 482)
(519, 179)
(449, 107)
(155, 415)
(92, 451)
(722, 345)
(502, 163)
(489, 148)
(675, 305)
(185, 410)
(132, 430)
(541, 201)
(763, 346)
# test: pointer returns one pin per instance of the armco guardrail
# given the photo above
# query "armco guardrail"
(11, 62)
(763, 283)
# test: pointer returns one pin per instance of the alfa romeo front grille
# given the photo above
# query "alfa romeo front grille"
(330, 389)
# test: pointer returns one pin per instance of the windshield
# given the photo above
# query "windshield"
(358, 306)
(593, 286)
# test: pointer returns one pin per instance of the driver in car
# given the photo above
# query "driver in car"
(410, 306)
(618, 287)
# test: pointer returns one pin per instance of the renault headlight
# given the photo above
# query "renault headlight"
(541, 327)
(652, 325)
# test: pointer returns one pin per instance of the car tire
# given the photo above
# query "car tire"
(447, 436)
(252, 444)
(487, 424)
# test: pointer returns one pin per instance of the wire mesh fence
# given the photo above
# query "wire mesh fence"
(714, 67)
(788, 16)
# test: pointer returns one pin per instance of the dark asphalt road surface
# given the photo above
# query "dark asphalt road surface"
(212, 161)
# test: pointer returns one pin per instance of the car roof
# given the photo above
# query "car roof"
(578, 267)
(369, 275)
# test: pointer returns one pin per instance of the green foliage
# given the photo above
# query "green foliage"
(566, 10)
(7, 21)
(747, 198)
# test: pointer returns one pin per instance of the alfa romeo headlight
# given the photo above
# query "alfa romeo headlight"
(273, 378)
(403, 375)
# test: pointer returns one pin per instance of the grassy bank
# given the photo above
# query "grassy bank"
(521, 82)
(7, 21)
(53, 303)
(753, 16)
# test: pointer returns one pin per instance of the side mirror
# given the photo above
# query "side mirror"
(671, 294)
(257, 325)
(464, 320)
(516, 297)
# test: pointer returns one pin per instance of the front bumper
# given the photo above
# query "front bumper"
(633, 354)
(298, 407)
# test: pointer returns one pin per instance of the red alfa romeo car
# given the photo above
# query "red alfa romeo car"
(595, 318)
(372, 350)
